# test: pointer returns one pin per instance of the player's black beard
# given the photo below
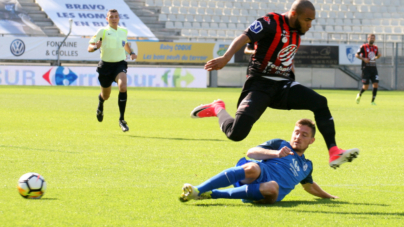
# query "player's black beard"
(299, 28)
(371, 42)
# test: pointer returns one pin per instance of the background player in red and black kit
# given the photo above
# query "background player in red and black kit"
(271, 80)
(368, 53)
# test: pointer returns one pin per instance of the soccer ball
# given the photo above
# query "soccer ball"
(31, 186)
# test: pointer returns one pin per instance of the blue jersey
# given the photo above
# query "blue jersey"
(287, 171)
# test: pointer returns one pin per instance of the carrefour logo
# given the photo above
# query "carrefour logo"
(179, 78)
(61, 76)
(17, 47)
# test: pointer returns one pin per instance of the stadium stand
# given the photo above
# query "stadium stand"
(337, 20)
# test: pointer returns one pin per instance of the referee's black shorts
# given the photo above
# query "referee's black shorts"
(370, 74)
(109, 70)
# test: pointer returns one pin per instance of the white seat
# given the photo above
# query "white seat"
(241, 26)
(177, 3)
(225, 19)
(216, 18)
(169, 24)
(187, 25)
(212, 33)
(397, 30)
(357, 2)
(255, 5)
(329, 28)
(220, 4)
(192, 10)
(251, 19)
(231, 26)
(196, 25)
(357, 29)
(235, 12)
(162, 17)
(388, 30)
(174, 9)
(323, 14)
(356, 22)
(203, 4)
(183, 10)
(385, 22)
(261, 12)
(214, 25)
(178, 24)
(332, 14)
(180, 17)
(227, 12)
(343, 8)
(185, 3)
(378, 29)
(338, 28)
(198, 18)
(367, 29)
(339, 21)
(335, 7)
(347, 28)
(347, 21)
(318, 28)
(193, 4)
(211, 4)
(367, 2)
(358, 15)
(194, 32)
(230, 33)
(394, 22)
(210, 11)
(341, 14)
(243, 12)
(189, 17)
(167, 3)
(205, 25)
(165, 9)
(328, 21)
(376, 22)
(207, 18)
(218, 11)
(386, 2)
(308, 35)
(203, 33)
(185, 32)
(392, 9)
(228, 5)
(352, 8)
(158, 2)
(246, 5)
(222, 26)
(150, 3)
(221, 33)
(234, 19)
(172, 17)
(395, 38)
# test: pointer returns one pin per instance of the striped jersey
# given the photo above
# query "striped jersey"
(368, 51)
(276, 44)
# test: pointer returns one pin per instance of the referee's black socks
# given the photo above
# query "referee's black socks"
(122, 97)
(100, 103)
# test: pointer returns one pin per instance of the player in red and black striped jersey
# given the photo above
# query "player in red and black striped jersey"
(368, 53)
(271, 79)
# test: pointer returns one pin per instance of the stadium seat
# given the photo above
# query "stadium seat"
(205, 25)
(198, 18)
(230, 33)
(207, 18)
(178, 24)
(214, 26)
(223, 26)
(194, 32)
(339, 21)
(397, 30)
(357, 2)
(187, 25)
(211, 4)
(165, 9)
(163, 17)
(368, 2)
(338, 28)
(216, 18)
(150, 3)
(378, 30)
(219, 5)
(231, 26)
(192, 10)
(329, 28)
(189, 17)
(385, 22)
(347, 28)
(203, 33)
(158, 2)
(186, 3)
(221, 33)
(357, 29)
(169, 24)
(185, 32)
(367, 29)
(203, 4)
(388, 30)
(180, 17)
(196, 25)
(212, 33)
(341, 14)
(172, 17)
(343, 8)
(167, 3)
(183, 10)
(193, 4)
(176, 3)
(234, 19)
(241, 26)
(225, 19)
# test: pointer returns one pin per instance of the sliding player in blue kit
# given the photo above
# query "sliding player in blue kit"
(283, 166)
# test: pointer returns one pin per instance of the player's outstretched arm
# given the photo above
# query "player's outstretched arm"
(220, 62)
(315, 190)
(94, 46)
(259, 153)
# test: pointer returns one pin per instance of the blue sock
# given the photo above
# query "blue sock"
(248, 191)
(223, 179)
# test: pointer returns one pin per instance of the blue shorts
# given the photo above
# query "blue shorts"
(264, 177)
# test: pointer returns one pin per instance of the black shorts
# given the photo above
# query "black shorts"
(109, 70)
(259, 93)
(370, 74)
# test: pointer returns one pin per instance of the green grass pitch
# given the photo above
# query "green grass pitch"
(99, 176)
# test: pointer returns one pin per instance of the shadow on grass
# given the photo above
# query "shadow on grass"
(49, 199)
(170, 138)
(36, 149)
(352, 213)
(287, 204)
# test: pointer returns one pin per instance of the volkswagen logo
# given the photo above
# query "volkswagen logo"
(17, 47)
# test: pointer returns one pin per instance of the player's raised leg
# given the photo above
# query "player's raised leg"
(301, 97)
(122, 99)
(103, 96)
(363, 89)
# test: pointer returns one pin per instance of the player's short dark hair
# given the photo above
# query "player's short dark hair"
(300, 5)
(308, 123)
(112, 11)
(372, 34)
